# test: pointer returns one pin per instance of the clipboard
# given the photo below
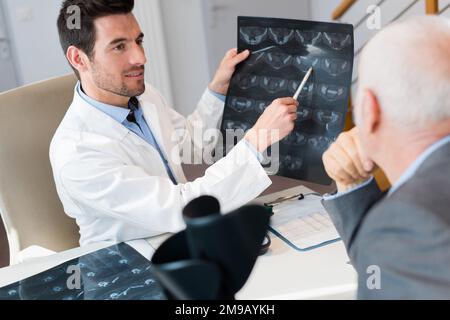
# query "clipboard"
(303, 223)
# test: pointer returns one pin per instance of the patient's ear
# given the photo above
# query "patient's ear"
(371, 112)
(77, 58)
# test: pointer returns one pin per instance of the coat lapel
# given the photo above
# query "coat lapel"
(157, 124)
(102, 124)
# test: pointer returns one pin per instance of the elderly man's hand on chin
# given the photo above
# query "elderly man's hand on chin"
(222, 78)
(346, 162)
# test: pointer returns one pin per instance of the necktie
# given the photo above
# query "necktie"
(133, 105)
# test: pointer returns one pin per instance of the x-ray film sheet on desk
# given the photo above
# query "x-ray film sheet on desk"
(114, 273)
(303, 224)
(282, 51)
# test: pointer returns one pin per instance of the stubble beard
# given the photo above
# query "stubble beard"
(106, 82)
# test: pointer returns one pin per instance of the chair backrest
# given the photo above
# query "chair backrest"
(31, 210)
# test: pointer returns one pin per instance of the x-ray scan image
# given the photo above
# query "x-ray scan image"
(329, 119)
(291, 164)
(253, 35)
(337, 41)
(241, 104)
(320, 143)
(255, 59)
(273, 85)
(306, 38)
(303, 63)
(295, 138)
(303, 114)
(281, 36)
(282, 52)
(330, 92)
(335, 67)
(237, 125)
(117, 272)
(248, 81)
(278, 60)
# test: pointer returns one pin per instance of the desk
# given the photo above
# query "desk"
(283, 273)
(192, 172)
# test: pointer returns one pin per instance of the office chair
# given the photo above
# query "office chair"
(29, 205)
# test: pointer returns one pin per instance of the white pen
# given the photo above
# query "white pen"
(264, 49)
(300, 87)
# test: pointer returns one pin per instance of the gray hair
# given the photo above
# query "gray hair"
(407, 66)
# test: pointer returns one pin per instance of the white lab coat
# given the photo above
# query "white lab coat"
(115, 184)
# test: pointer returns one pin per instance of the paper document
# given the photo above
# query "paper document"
(303, 224)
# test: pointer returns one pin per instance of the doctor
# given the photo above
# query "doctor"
(115, 161)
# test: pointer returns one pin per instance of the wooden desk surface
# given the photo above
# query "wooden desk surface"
(278, 183)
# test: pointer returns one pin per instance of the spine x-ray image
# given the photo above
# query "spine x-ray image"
(115, 273)
(282, 52)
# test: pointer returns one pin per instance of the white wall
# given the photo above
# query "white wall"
(8, 79)
(389, 10)
(148, 14)
(445, 7)
(191, 48)
(38, 55)
(321, 9)
(199, 32)
(35, 43)
(221, 20)
(186, 51)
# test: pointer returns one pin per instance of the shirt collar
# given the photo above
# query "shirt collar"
(117, 113)
(412, 169)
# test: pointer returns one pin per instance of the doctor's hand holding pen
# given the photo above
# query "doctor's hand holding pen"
(277, 122)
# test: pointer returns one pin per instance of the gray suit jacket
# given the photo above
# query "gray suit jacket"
(405, 235)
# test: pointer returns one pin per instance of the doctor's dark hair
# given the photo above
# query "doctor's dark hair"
(83, 36)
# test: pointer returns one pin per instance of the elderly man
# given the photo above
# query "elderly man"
(398, 242)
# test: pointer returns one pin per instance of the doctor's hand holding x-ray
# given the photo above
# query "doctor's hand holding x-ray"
(116, 163)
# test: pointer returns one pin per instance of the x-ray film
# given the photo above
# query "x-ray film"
(115, 273)
(282, 52)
